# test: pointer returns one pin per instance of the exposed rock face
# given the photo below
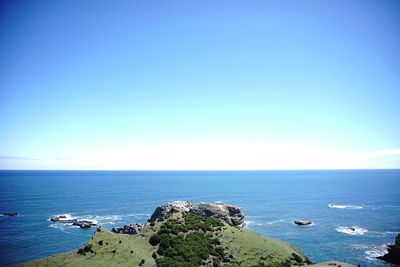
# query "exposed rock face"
(393, 255)
(300, 222)
(130, 229)
(163, 210)
(231, 214)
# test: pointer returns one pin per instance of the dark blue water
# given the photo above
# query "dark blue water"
(271, 200)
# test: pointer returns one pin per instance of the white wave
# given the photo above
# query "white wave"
(335, 206)
(375, 251)
(247, 224)
(101, 219)
(107, 219)
(65, 216)
(383, 233)
(60, 226)
(360, 246)
(351, 230)
(137, 215)
(275, 221)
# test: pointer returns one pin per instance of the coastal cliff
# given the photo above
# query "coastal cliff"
(180, 234)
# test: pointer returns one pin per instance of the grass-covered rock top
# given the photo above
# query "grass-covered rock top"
(180, 238)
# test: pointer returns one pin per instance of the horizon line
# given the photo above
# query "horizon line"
(209, 170)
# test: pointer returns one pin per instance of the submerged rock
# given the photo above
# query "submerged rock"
(58, 218)
(230, 214)
(393, 255)
(84, 224)
(300, 222)
(130, 229)
(163, 210)
(10, 214)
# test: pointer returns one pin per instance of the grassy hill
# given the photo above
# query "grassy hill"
(181, 239)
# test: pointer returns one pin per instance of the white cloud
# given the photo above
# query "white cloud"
(255, 155)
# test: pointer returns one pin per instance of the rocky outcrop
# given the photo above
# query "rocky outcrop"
(65, 219)
(163, 210)
(393, 255)
(130, 229)
(230, 214)
(300, 222)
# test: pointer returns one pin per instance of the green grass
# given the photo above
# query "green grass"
(251, 249)
(109, 249)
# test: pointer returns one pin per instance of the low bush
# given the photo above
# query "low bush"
(188, 242)
(155, 239)
(88, 248)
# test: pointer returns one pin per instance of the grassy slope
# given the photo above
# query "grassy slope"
(249, 248)
(103, 254)
(246, 247)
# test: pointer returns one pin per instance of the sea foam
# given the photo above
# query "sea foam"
(351, 230)
(376, 251)
(335, 206)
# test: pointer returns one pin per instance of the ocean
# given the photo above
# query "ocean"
(368, 200)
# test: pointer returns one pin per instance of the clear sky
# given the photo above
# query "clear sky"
(199, 84)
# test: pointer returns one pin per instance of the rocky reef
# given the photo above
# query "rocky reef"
(393, 255)
(9, 214)
(301, 222)
(65, 219)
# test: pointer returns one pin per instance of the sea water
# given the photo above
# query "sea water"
(355, 213)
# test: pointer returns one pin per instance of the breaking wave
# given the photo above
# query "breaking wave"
(335, 206)
(351, 230)
(248, 224)
(375, 251)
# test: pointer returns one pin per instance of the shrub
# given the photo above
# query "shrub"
(88, 248)
(100, 242)
(191, 249)
(216, 263)
(155, 239)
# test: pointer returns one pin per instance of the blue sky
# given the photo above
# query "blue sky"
(199, 84)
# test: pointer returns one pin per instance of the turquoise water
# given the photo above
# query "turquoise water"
(271, 200)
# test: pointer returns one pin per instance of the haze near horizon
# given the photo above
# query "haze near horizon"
(199, 85)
